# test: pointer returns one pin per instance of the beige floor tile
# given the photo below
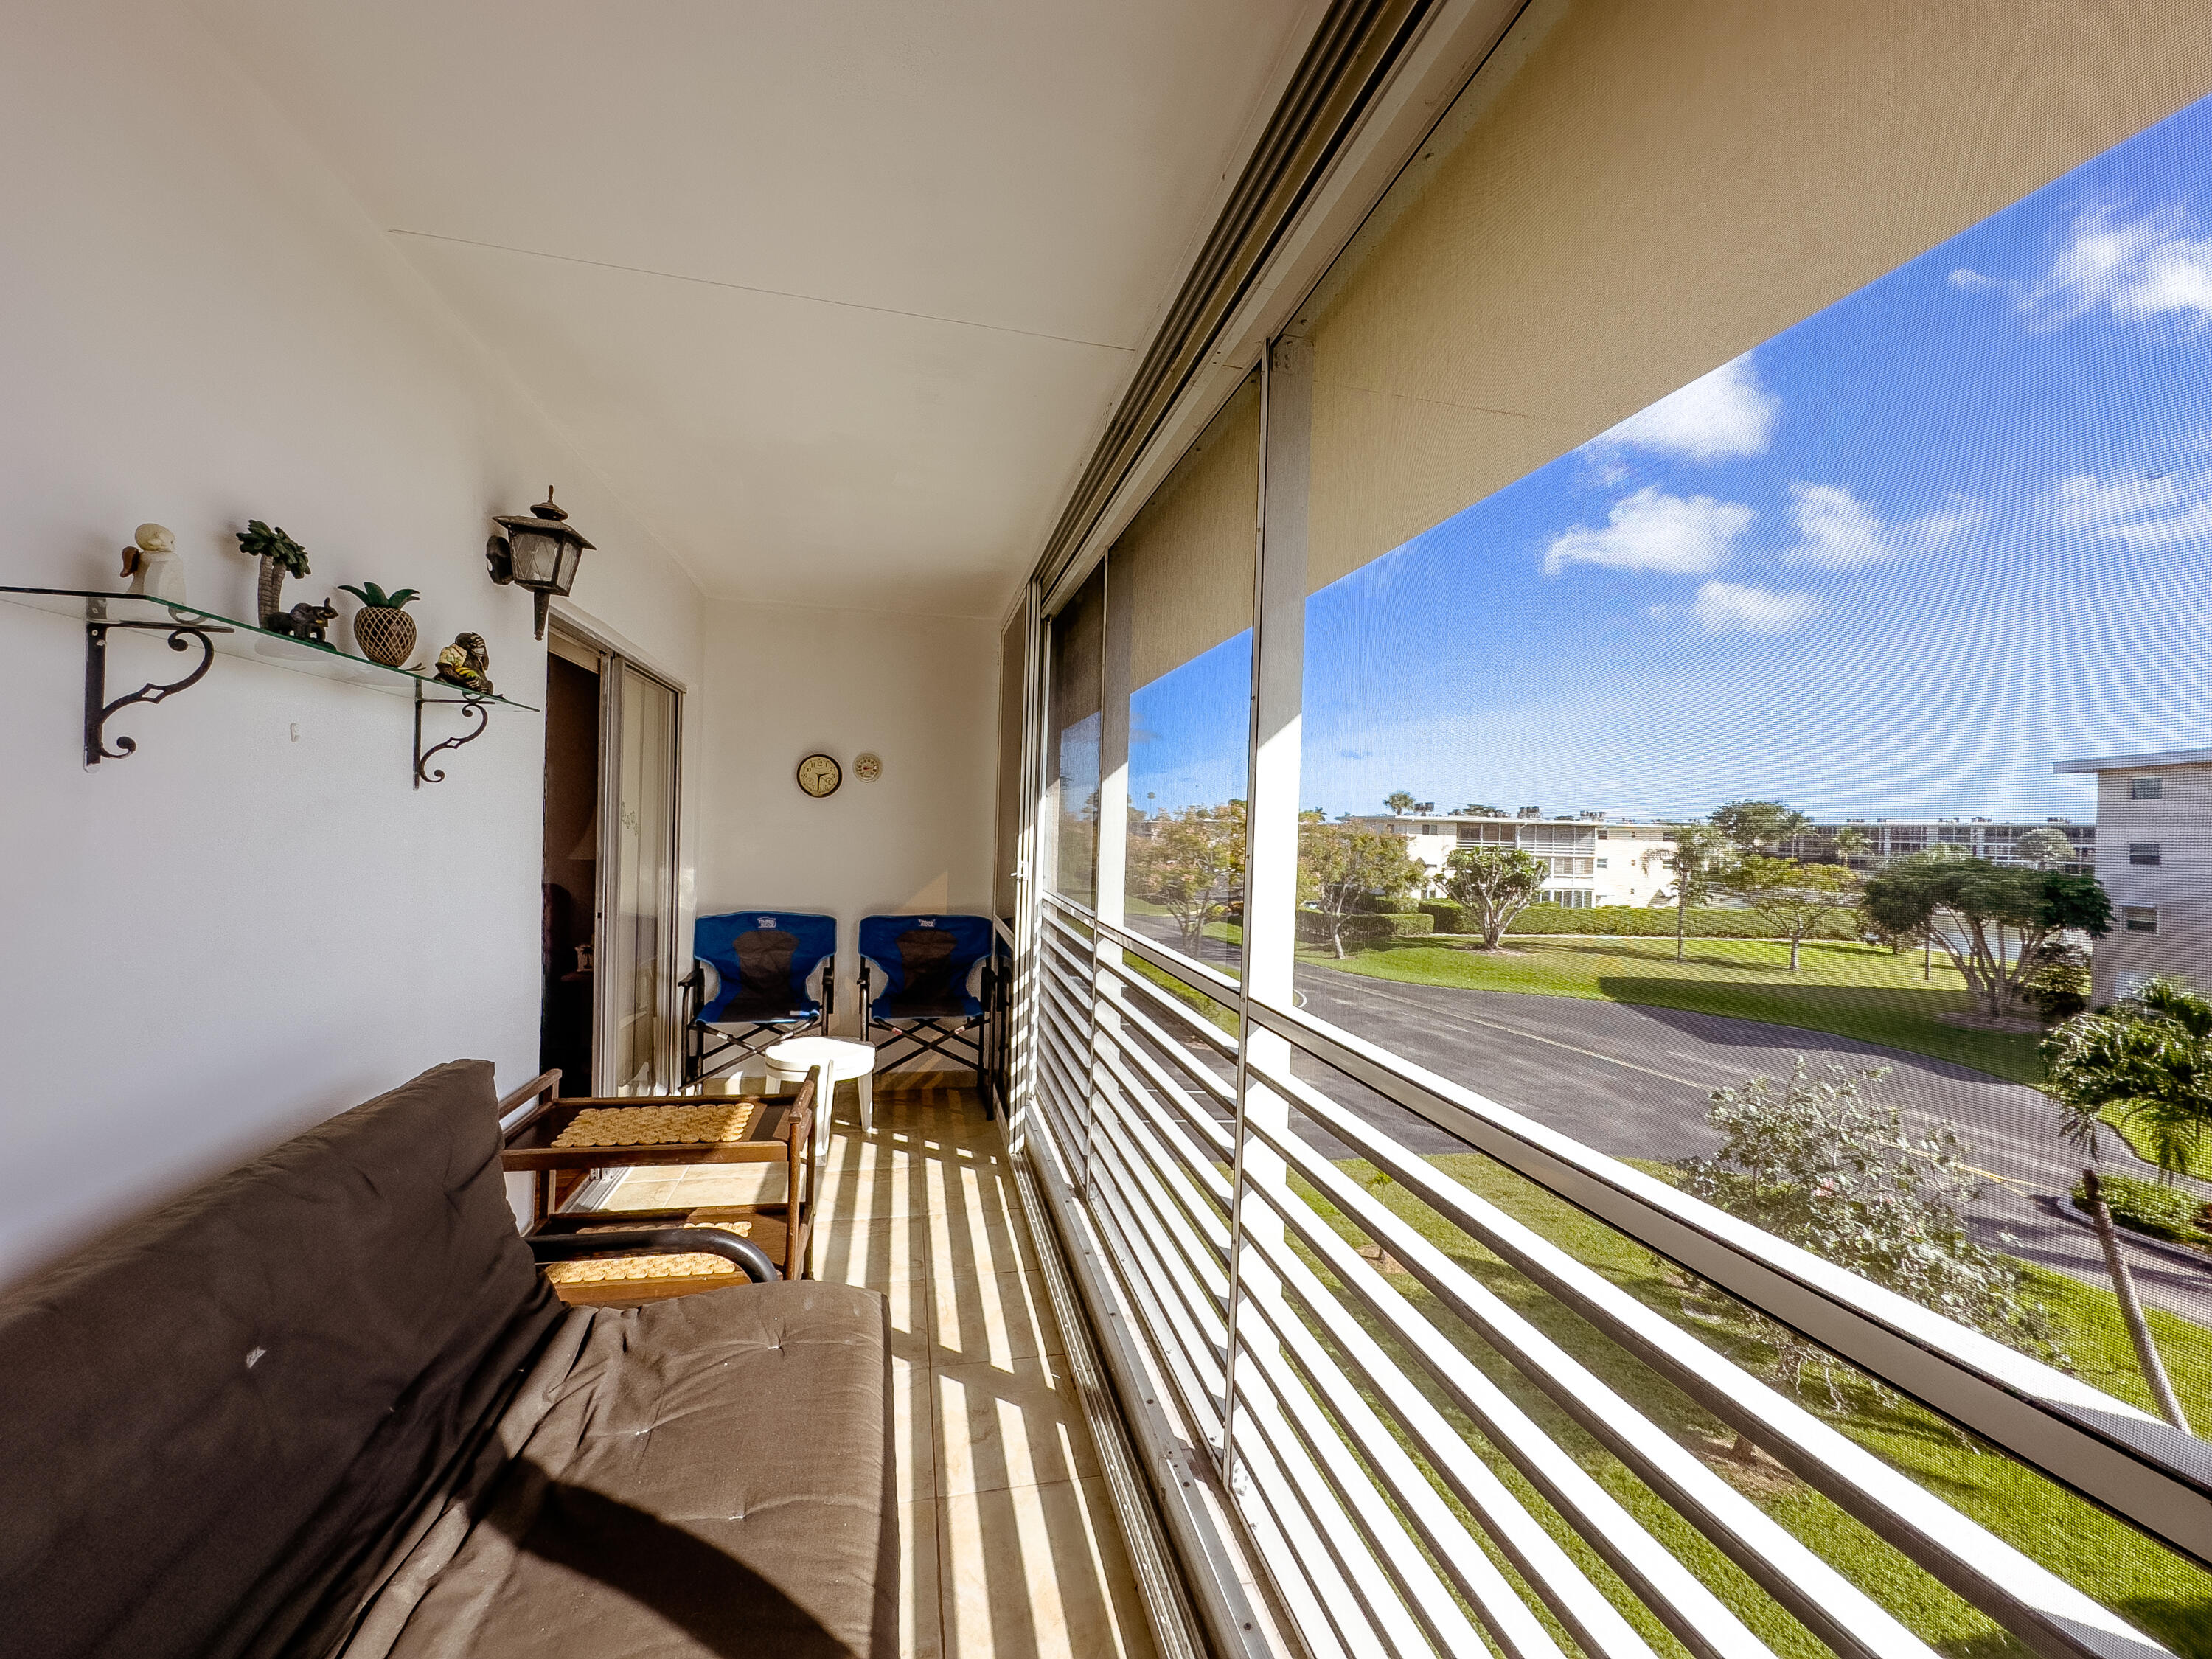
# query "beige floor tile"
(1037, 1572)
(914, 1187)
(961, 1243)
(913, 1429)
(992, 1318)
(894, 1250)
(921, 1629)
(1018, 1424)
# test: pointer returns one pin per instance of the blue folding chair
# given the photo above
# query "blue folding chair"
(753, 984)
(940, 978)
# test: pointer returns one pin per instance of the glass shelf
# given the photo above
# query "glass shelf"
(229, 637)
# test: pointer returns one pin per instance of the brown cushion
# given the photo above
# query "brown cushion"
(215, 1416)
(710, 1476)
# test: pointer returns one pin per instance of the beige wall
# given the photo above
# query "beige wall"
(253, 921)
(783, 681)
(1638, 190)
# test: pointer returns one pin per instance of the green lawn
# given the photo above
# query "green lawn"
(2169, 1598)
(1852, 990)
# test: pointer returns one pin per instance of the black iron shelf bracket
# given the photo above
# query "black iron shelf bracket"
(98, 710)
(479, 706)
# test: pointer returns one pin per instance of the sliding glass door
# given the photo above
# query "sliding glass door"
(637, 1051)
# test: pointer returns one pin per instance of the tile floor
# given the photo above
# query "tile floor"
(1011, 1547)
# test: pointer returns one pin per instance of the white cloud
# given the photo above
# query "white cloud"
(1725, 413)
(2150, 510)
(1839, 532)
(1737, 608)
(2140, 270)
(1681, 536)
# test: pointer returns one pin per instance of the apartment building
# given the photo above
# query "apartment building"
(1593, 861)
(1885, 840)
(2155, 860)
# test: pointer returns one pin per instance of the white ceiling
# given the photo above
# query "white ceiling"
(835, 294)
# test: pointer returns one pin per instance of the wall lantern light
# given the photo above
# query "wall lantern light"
(540, 553)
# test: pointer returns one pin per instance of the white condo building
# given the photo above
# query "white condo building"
(1593, 862)
(2154, 859)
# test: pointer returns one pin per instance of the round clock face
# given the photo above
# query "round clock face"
(819, 775)
(867, 768)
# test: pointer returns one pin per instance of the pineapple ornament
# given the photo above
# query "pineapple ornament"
(382, 627)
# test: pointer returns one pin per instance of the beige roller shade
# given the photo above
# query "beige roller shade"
(1184, 565)
(1636, 191)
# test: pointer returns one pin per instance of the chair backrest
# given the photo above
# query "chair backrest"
(763, 956)
(925, 956)
(221, 1415)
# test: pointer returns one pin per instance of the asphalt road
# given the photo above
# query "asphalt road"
(1633, 1081)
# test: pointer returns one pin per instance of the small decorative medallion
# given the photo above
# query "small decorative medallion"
(867, 768)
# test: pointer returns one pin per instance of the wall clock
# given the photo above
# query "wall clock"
(819, 775)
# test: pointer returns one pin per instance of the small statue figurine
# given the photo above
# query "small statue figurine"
(152, 565)
(463, 663)
(305, 621)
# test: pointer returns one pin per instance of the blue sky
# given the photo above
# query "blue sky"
(1891, 562)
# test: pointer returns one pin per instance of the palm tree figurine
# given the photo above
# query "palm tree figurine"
(280, 557)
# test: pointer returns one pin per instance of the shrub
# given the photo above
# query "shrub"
(2057, 985)
(1364, 928)
(2151, 1206)
(1822, 1163)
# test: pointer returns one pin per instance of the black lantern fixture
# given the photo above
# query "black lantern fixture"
(540, 553)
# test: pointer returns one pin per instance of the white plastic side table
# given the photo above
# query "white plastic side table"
(791, 1062)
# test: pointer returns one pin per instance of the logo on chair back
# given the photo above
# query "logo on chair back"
(764, 921)
(925, 921)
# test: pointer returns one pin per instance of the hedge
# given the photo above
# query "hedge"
(1364, 928)
(1635, 921)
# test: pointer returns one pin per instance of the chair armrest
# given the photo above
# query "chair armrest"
(540, 1092)
(751, 1260)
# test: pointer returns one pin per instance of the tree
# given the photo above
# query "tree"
(2144, 1064)
(1188, 864)
(1758, 826)
(1990, 922)
(1474, 809)
(1853, 842)
(1399, 802)
(1695, 855)
(1792, 898)
(2045, 848)
(1496, 883)
(1340, 865)
(1823, 1165)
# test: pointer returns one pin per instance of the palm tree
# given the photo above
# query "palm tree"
(2145, 1064)
(1853, 842)
(1399, 802)
(1695, 858)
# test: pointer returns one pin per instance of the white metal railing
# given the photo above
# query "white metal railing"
(1398, 1496)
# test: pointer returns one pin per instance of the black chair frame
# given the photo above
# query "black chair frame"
(710, 1052)
(960, 1037)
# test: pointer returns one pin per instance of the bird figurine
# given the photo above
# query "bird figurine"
(152, 564)
(463, 663)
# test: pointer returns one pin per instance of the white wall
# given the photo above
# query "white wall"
(921, 692)
(233, 934)
(2179, 886)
